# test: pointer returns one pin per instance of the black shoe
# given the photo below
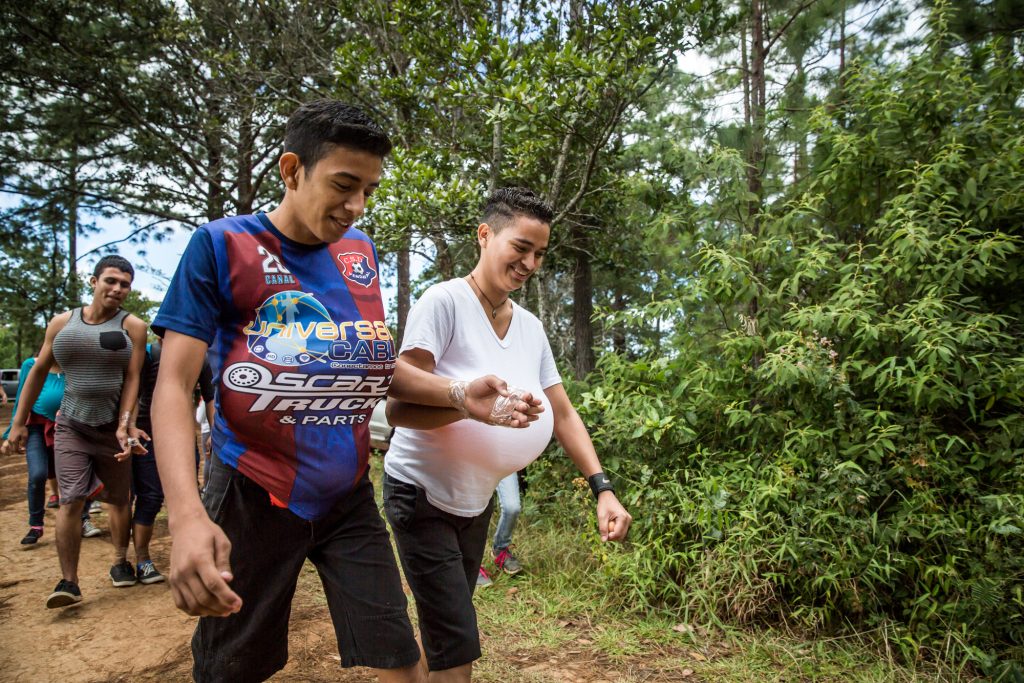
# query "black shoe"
(148, 574)
(66, 593)
(33, 535)
(123, 575)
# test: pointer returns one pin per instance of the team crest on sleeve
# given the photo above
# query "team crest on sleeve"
(356, 268)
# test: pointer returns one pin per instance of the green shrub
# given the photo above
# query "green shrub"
(850, 457)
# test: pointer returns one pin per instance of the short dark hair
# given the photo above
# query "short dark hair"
(113, 261)
(506, 203)
(315, 127)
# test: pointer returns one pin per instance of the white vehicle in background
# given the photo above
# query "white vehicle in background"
(380, 430)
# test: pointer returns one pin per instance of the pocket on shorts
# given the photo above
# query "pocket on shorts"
(113, 341)
(217, 488)
(399, 502)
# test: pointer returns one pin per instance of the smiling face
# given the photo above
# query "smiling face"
(325, 201)
(510, 255)
(109, 288)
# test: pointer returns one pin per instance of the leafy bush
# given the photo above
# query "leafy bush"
(850, 456)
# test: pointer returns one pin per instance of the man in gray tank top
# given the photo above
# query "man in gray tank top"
(101, 349)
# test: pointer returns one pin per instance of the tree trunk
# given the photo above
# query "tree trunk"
(243, 204)
(215, 160)
(558, 176)
(73, 293)
(619, 329)
(542, 298)
(58, 301)
(755, 161)
(583, 306)
(496, 157)
(404, 294)
(842, 64)
(842, 47)
(443, 261)
(800, 156)
(496, 133)
(746, 74)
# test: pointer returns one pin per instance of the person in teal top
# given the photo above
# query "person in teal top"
(39, 446)
(50, 397)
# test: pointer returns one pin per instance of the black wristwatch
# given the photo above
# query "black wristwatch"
(599, 482)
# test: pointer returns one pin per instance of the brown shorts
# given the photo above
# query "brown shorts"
(84, 459)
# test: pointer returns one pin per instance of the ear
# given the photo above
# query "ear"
(483, 234)
(289, 167)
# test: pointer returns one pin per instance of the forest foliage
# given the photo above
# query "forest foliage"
(785, 291)
(850, 458)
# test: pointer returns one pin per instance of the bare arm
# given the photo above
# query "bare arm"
(415, 416)
(612, 519)
(129, 405)
(415, 383)
(200, 569)
(35, 381)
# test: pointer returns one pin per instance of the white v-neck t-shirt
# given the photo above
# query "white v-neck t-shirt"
(459, 465)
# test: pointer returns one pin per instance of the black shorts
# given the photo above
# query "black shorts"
(441, 555)
(352, 553)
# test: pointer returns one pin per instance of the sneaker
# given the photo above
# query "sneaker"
(33, 535)
(507, 562)
(95, 508)
(66, 593)
(148, 573)
(483, 580)
(122, 575)
(52, 502)
(90, 530)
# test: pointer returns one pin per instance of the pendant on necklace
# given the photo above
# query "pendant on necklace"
(494, 313)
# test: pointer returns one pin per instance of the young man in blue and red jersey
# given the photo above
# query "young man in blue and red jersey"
(288, 303)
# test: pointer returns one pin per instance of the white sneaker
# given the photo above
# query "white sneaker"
(89, 529)
(95, 508)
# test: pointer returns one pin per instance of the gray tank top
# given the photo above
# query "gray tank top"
(94, 359)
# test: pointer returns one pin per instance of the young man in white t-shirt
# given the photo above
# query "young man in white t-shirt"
(441, 470)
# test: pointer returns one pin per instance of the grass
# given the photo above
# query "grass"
(559, 621)
(566, 603)
(560, 605)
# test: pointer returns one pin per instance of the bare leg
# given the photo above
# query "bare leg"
(458, 674)
(410, 674)
(69, 538)
(423, 657)
(120, 529)
(53, 487)
(141, 535)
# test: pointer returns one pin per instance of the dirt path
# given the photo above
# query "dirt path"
(116, 634)
(136, 634)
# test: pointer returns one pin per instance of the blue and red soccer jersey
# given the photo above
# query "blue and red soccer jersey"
(300, 353)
